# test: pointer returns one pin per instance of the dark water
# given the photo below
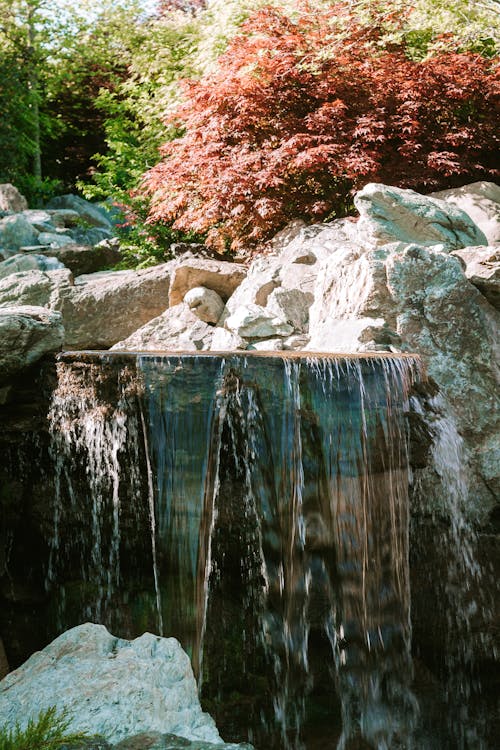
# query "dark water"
(255, 507)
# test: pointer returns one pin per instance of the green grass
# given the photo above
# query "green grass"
(48, 732)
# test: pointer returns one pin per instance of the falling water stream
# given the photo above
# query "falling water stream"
(255, 507)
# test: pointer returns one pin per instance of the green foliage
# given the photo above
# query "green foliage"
(48, 732)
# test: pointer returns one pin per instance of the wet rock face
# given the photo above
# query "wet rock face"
(110, 686)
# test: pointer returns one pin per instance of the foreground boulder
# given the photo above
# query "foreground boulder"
(110, 686)
(176, 329)
(26, 335)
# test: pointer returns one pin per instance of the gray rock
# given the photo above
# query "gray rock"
(206, 304)
(110, 686)
(389, 214)
(480, 201)
(27, 333)
(15, 232)
(157, 741)
(291, 305)
(24, 262)
(88, 212)
(39, 218)
(482, 268)
(267, 345)
(64, 218)
(107, 307)
(220, 276)
(11, 199)
(54, 240)
(86, 259)
(36, 288)
(255, 322)
(177, 329)
(92, 236)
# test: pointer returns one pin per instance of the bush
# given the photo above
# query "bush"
(48, 732)
(303, 112)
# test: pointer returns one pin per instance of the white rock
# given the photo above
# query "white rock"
(268, 345)
(481, 201)
(254, 321)
(11, 199)
(482, 268)
(225, 341)
(177, 329)
(345, 336)
(206, 304)
(110, 686)
(26, 334)
(389, 214)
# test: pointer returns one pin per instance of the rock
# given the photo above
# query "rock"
(225, 341)
(64, 217)
(11, 199)
(295, 342)
(30, 262)
(15, 232)
(33, 287)
(268, 345)
(206, 304)
(255, 322)
(157, 741)
(110, 686)
(291, 305)
(86, 259)
(27, 333)
(389, 214)
(92, 236)
(104, 308)
(220, 276)
(88, 212)
(480, 201)
(482, 268)
(177, 329)
(54, 240)
(91, 743)
(41, 220)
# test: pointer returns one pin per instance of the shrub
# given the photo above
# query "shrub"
(302, 112)
(48, 732)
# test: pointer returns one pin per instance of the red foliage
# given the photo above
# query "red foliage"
(297, 117)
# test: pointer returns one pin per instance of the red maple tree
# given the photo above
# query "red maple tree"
(299, 115)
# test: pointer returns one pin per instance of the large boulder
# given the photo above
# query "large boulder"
(481, 201)
(103, 308)
(110, 686)
(11, 199)
(206, 304)
(482, 268)
(390, 214)
(27, 333)
(16, 232)
(221, 276)
(89, 213)
(177, 329)
(34, 287)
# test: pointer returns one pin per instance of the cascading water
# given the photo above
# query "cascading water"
(275, 494)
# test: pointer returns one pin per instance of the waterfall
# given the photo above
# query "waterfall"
(274, 492)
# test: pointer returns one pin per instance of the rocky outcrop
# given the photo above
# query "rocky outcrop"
(103, 308)
(389, 214)
(177, 329)
(110, 686)
(219, 276)
(480, 201)
(31, 262)
(482, 268)
(34, 287)
(26, 335)
(11, 199)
